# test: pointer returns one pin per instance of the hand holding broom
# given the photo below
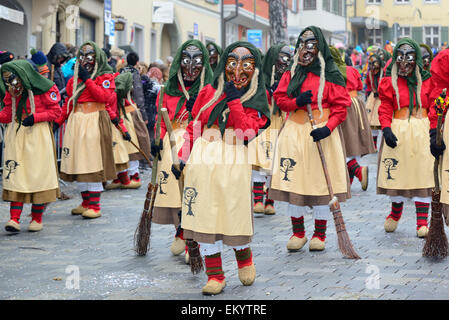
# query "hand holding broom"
(436, 245)
(344, 242)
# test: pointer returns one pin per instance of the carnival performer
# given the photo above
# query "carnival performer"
(356, 129)
(189, 73)
(131, 123)
(298, 176)
(215, 52)
(30, 174)
(216, 208)
(405, 167)
(275, 62)
(427, 56)
(439, 82)
(376, 67)
(87, 153)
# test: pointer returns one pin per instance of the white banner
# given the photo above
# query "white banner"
(163, 12)
(11, 15)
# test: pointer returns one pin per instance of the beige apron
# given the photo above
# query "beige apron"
(217, 188)
(129, 125)
(297, 164)
(372, 106)
(29, 163)
(81, 152)
(168, 193)
(261, 149)
(119, 147)
(409, 166)
(444, 168)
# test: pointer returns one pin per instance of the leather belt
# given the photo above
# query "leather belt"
(301, 116)
(89, 107)
(403, 113)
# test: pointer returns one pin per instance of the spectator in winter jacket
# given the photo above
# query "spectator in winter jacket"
(151, 86)
(137, 95)
(56, 57)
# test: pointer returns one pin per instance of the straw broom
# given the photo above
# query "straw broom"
(143, 230)
(196, 262)
(344, 243)
(436, 245)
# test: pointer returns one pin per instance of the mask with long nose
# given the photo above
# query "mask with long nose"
(213, 54)
(191, 63)
(425, 59)
(374, 65)
(240, 67)
(88, 58)
(308, 49)
(13, 84)
(406, 60)
(282, 62)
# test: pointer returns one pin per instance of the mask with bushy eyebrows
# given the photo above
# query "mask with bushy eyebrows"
(13, 84)
(240, 67)
(374, 65)
(308, 49)
(213, 54)
(406, 60)
(191, 63)
(425, 59)
(88, 58)
(282, 62)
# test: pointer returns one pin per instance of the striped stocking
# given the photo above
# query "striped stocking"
(354, 169)
(85, 195)
(268, 201)
(396, 210)
(37, 210)
(298, 227)
(422, 212)
(258, 192)
(214, 268)
(94, 200)
(124, 178)
(244, 257)
(16, 210)
(320, 229)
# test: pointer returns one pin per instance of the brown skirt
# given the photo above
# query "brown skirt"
(357, 130)
(109, 171)
(143, 137)
(166, 216)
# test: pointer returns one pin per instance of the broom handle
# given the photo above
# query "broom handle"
(171, 137)
(440, 112)
(158, 135)
(135, 146)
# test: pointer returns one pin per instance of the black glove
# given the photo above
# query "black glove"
(390, 138)
(115, 121)
(83, 74)
(127, 136)
(177, 173)
(320, 133)
(434, 148)
(231, 91)
(376, 94)
(55, 127)
(273, 88)
(28, 121)
(156, 149)
(304, 98)
(190, 103)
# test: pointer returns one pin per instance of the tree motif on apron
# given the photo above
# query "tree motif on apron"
(267, 147)
(163, 179)
(287, 165)
(10, 166)
(190, 195)
(390, 165)
(66, 151)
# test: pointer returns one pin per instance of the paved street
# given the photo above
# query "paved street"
(42, 265)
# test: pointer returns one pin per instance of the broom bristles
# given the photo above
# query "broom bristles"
(142, 235)
(436, 245)
(195, 260)
(344, 243)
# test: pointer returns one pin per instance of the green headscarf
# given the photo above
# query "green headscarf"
(412, 81)
(171, 86)
(31, 80)
(101, 68)
(387, 55)
(332, 74)
(220, 52)
(123, 85)
(338, 59)
(258, 101)
(428, 49)
(269, 61)
(375, 82)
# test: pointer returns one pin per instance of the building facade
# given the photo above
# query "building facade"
(372, 22)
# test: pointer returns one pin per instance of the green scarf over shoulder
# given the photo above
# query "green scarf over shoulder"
(332, 74)
(123, 85)
(258, 101)
(172, 84)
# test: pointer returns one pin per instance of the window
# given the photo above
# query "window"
(327, 5)
(404, 32)
(86, 31)
(402, 1)
(374, 1)
(334, 6)
(432, 36)
(431, 1)
(374, 36)
(295, 6)
(309, 4)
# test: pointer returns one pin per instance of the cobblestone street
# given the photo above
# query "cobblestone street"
(41, 266)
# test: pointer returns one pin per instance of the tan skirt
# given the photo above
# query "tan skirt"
(407, 170)
(217, 194)
(261, 149)
(444, 169)
(298, 176)
(119, 144)
(29, 165)
(87, 151)
(357, 130)
(372, 107)
(142, 135)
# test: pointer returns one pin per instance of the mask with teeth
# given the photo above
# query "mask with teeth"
(374, 65)
(406, 60)
(282, 62)
(425, 59)
(308, 49)
(213, 54)
(88, 58)
(191, 63)
(13, 84)
(240, 67)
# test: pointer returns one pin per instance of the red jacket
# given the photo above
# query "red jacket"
(389, 104)
(439, 81)
(335, 98)
(101, 90)
(354, 79)
(47, 106)
(247, 120)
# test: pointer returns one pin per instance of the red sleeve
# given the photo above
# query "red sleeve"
(387, 98)
(439, 81)
(47, 106)
(284, 102)
(339, 100)
(114, 106)
(245, 119)
(368, 83)
(163, 126)
(64, 112)
(6, 113)
(355, 79)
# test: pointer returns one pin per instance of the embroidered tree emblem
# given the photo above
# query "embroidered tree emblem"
(163, 179)
(267, 147)
(10, 166)
(287, 165)
(190, 195)
(66, 151)
(390, 164)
